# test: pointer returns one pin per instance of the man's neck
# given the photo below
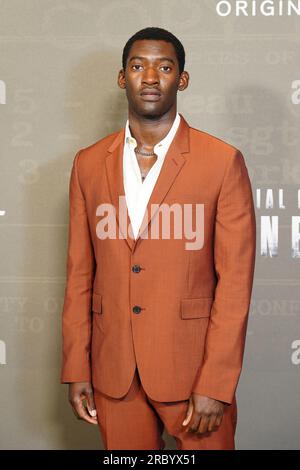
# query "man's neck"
(148, 132)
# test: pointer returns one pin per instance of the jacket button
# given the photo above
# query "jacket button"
(136, 309)
(136, 268)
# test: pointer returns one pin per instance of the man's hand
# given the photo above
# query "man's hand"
(204, 414)
(79, 392)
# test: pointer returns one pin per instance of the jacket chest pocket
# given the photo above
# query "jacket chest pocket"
(196, 308)
(97, 303)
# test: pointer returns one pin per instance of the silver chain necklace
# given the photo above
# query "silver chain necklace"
(145, 154)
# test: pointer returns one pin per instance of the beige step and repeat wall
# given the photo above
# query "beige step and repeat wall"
(59, 61)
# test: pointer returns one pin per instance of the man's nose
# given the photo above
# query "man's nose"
(150, 76)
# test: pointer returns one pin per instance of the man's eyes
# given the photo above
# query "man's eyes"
(162, 67)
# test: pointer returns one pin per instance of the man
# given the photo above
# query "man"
(153, 331)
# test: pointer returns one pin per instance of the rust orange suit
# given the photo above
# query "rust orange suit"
(177, 317)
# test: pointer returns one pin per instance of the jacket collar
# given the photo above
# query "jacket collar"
(172, 165)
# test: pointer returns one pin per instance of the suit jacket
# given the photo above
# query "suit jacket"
(179, 315)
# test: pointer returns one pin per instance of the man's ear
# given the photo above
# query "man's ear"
(121, 79)
(183, 81)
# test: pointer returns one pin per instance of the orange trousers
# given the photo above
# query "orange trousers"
(135, 422)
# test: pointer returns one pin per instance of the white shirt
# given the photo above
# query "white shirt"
(138, 192)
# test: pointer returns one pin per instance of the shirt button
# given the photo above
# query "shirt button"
(136, 268)
(136, 309)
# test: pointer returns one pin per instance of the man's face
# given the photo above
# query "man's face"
(152, 67)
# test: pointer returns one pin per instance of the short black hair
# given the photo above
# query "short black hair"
(158, 34)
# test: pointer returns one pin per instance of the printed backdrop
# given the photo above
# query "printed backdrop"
(59, 61)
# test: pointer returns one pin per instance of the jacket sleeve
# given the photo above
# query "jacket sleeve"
(76, 315)
(234, 258)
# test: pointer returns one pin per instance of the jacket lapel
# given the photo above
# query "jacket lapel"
(172, 165)
(114, 172)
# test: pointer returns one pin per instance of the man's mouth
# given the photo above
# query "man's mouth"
(150, 95)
